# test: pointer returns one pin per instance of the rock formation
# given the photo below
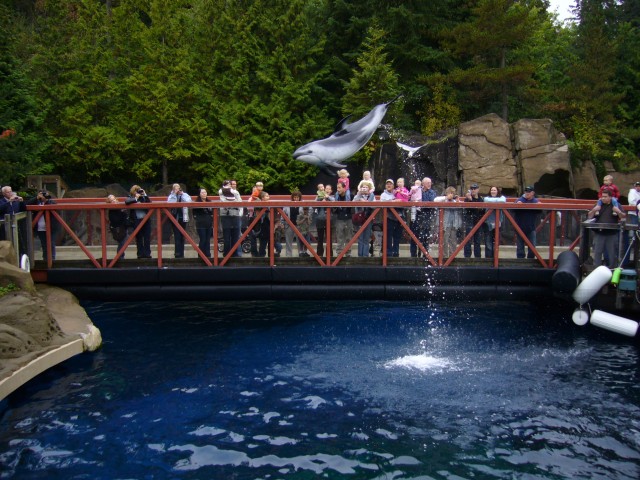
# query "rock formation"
(34, 321)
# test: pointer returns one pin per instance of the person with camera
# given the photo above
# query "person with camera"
(136, 215)
(118, 223)
(44, 198)
(229, 218)
(181, 214)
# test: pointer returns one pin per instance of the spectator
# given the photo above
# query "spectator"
(181, 214)
(204, 223)
(401, 193)
(10, 204)
(343, 177)
(394, 227)
(607, 182)
(606, 239)
(44, 198)
(118, 223)
(253, 237)
(366, 177)
(289, 234)
(143, 237)
(452, 222)
(321, 220)
(364, 195)
(304, 226)
(471, 218)
(495, 196)
(265, 229)
(526, 220)
(343, 225)
(633, 199)
(230, 218)
(421, 228)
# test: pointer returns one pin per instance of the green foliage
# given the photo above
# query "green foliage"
(442, 111)
(22, 142)
(197, 91)
(11, 287)
(487, 41)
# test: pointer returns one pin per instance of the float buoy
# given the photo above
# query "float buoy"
(614, 323)
(25, 264)
(567, 276)
(580, 317)
(592, 284)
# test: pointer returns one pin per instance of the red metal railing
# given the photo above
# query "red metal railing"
(381, 212)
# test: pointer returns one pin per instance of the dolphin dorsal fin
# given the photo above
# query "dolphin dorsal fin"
(342, 125)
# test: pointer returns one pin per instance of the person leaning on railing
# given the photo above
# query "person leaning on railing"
(143, 238)
(118, 223)
(606, 238)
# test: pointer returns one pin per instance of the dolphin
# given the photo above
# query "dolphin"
(345, 141)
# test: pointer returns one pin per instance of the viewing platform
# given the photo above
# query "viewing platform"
(89, 264)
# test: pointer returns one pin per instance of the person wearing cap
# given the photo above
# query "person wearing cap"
(229, 219)
(471, 218)
(526, 220)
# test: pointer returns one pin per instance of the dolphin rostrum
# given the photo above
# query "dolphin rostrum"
(347, 139)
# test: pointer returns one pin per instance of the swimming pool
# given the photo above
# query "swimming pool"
(359, 390)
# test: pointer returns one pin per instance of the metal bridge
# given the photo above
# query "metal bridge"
(89, 263)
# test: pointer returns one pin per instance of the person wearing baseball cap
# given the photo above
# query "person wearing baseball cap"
(526, 220)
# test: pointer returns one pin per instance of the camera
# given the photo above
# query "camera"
(140, 191)
(45, 194)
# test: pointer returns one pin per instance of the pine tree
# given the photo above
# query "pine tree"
(486, 42)
(22, 142)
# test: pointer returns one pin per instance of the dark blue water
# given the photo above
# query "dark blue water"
(354, 390)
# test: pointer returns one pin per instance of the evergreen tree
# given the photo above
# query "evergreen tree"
(21, 138)
(487, 43)
(373, 82)
(261, 77)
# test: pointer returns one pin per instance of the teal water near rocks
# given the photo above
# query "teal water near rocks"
(297, 390)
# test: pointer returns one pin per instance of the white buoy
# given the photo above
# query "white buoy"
(25, 264)
(614, 323)
(580, 317)
(592, 284)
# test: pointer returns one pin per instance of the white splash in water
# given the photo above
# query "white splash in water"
(422, 362)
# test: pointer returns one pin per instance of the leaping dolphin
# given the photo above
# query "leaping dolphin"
(347, 139)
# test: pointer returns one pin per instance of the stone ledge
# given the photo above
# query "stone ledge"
(39, 365)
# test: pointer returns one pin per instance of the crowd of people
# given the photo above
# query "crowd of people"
(311, 223)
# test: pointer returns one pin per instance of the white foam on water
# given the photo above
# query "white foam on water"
(422, 362)
(209, 431)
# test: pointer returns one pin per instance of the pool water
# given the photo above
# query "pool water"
(358, 390)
